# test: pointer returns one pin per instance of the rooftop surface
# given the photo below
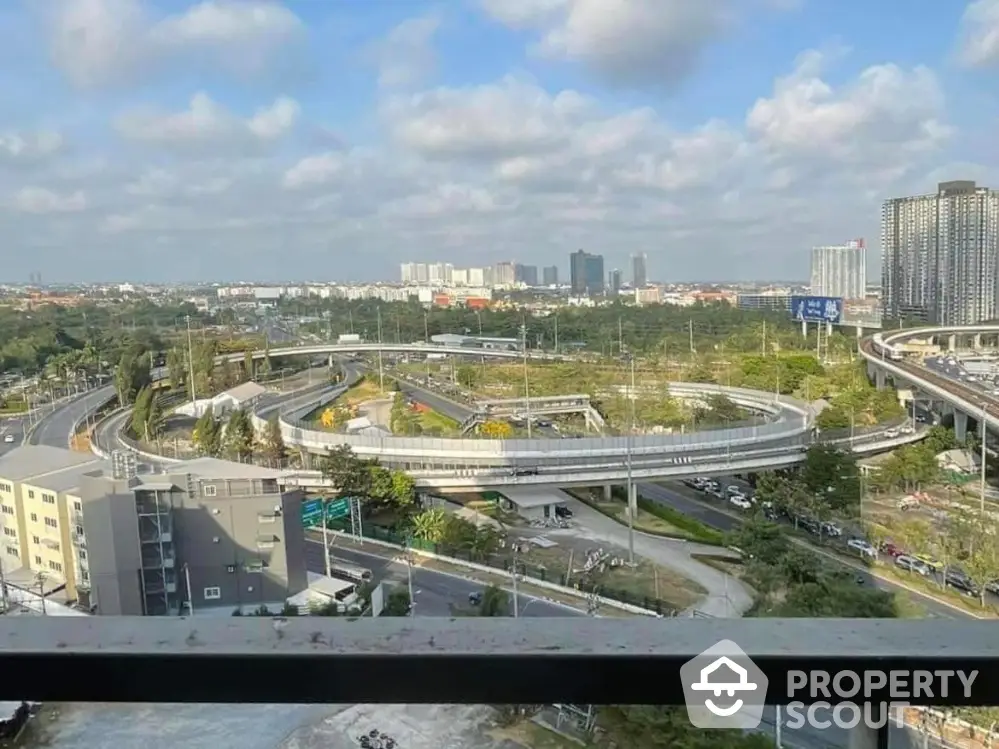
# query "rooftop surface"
(31, 461)
(217, 469)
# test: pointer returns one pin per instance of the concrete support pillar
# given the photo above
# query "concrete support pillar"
(329, 362)
(880, 379)
(829, 329)
(960, 425)
(952, 343)
(860, 332)
(978, 341)
(608, 492)
(633, 500)
(865, 737)
(804, 329)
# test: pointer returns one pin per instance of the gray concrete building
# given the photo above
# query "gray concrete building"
(206, 534)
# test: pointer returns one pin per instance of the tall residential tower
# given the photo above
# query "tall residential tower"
(840, 270)
(940, 255)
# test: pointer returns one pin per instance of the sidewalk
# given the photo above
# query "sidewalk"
(727, 596)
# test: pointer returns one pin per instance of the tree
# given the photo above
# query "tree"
(833, 417)
(272, 442)
(430, 525)
(207, 435)
(722, 408)
(497, 430)
(397, 603)
(977, 536)
(140, 413)
(467, 376)
(656, 727)
(239, 436)
(495, 602)
(176, 362)
(349, 474)
(833, 475)
(132, 375)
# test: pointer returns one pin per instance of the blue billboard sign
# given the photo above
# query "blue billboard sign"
(817, 309)
(312, 511)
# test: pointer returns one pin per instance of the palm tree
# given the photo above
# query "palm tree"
(431, 525)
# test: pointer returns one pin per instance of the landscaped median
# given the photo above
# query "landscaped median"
(652, 518)
(526, 584)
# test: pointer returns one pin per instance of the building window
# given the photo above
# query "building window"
(34, 540)
(55, 566)
(6, 488)
(6, 510)
(82, 553)
(38, 560)
(78, 506)
(34, 518)
(10, 532)
(210, 491)
(85, 576)
(213, 594)
(31, 493)
(48, 499)
(51, 522)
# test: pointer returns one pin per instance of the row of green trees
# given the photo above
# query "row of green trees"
(790, 582)
(610, 330)
(235, 437)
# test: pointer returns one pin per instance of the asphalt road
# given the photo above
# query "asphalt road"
(725, 522)
(14, 427)
(56, 427)
(434, 593)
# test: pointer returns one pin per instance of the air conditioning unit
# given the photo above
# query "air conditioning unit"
(230, 568)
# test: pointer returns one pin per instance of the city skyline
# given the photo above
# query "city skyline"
(172, 150)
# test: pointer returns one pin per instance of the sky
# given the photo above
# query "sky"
(169, 140)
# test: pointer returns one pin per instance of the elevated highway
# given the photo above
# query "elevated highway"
(779, 439)
(885, 356)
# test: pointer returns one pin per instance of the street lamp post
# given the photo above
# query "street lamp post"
(409, 575)
(516, 596)
(527, 382)
(190, 360)
(631, 498)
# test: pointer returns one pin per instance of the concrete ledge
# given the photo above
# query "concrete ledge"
(404, 660)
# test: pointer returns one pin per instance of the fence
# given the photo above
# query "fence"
(504, 563)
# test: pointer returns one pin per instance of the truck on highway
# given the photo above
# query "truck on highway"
(349, 338)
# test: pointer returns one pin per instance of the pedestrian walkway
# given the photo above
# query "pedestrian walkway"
(727, 596)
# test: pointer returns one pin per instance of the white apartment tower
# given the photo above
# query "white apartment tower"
(940, 255)
(840, 270)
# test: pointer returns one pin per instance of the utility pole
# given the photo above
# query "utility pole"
(631, 489)
(409, 576)
(3, 589)
(350, 317)
(326, 538)
(764, 345)
(690, 335)
(527, 384)
(516, 596)
(556, 334)
(620, 337)
(426, 327)
(190, 593)
(381, 370)
(190, 361)
(981, 506)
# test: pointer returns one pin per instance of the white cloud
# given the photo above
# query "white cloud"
(314, 170)
(40, 200)
(407, 55)
(206, 121)
(979, 41)
(632, 42)
(104, 42)
(18, 147)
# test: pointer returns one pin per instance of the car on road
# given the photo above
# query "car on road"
(8, 438)
(862, 547)
(911, 564)
(891, 549)
(935, 565)
(740, 501)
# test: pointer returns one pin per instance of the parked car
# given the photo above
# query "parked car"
(935, 565)
(741, 502)
(891, 549)
(911, 564)
(862, 547)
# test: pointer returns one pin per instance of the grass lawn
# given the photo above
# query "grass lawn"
(365, 390)
(644, 521)
(528, 734)
(429, 420)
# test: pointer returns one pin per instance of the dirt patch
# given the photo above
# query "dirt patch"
(80, 443)
(617, 509)
(643, 580)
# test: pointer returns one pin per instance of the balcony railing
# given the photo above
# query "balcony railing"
(580, 661)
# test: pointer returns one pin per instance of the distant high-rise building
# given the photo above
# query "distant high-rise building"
(614, 282)
(550, 275)
(940, 255)
(526, 274)
(586, 273)
(504, 274)
(639, 270)
(840, 270)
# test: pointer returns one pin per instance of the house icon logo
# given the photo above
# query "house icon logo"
(723, 688)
